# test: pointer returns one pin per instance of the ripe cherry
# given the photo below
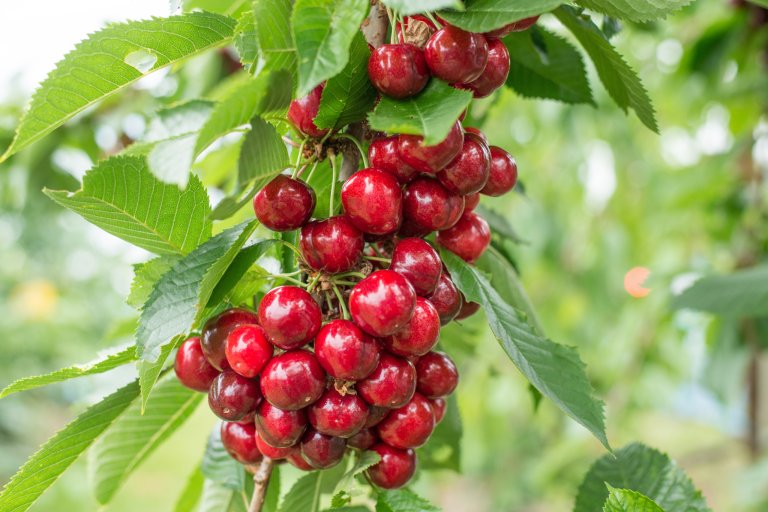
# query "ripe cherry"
(467, 309)
(410, 425)
(430, 159)
(468, 239)
(345, 351)
(517, 26)
(192, 368)
(363, 440)
(395, 469)
(333, 245)
(476, 131)
(373, 201)
(322, 451)
(270, 451)
(215, 331)
(471, 201)
(468, 173)
(338, 415)
(398, 70)
(232, 397)
(293, 380)
(383, 155)
(410, 229)
(419, 263)
(284, 204)
(280, 428)
(446, 299)
(375, 415)
(391, 384)
(495, 73)
(503, 177)
(297, 461)
(248, 350)
(455, 55)
(439, 405)
(436, 375)
(382, 303)
(418, 336)
(431, 206)
(289, 316)
(303, 111)
(240, 442)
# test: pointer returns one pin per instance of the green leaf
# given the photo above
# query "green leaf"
(305, 493)
(444, 448)
(109, 60)
(237, 269)
(487, 15)
(323, 31)
(145, 277)
(322, 184)
(217, 498)
(218, 466)
(245, 39)
(348, 96)
(122, 197)
(621, 81)
(555, 370)
(403, 501)
(406, 7)
(190, 495)
(432, 113)
(635, 10)
(276, 49)
(101, 365)
(642, 469)
(150, 371)
(544, 65)
(263, 154)
(272, 499)
(624, 500)
(764, 3)
(134, 436)
(364, 461)
(43, 468)
(499, 224)
(741, 294)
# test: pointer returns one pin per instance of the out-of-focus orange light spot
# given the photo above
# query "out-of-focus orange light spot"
(35, 300)
(633, 282)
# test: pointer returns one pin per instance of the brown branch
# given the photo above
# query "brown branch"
(261, 474)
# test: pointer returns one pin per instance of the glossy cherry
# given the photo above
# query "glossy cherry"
(395, 469)
(192, 367)
(392, 383)
(333, 245)
(363, 440)
(215, 331)
(431, 206)
(338, 415)
(478, 132)
(468, 173)
(418, 336)
(346, 352)
(375, 415)
(467, 309)
(398, 70)
(270, 451)
(495, 73)
(297, 461)
(382, 303)
(471, 201)
(468, 239)
(439, 406)
(373, 201)
(383, 155)
(284, 204)
(517, 26)
(280, 428)
(322, 451)
(248, 350)
(293, 380)
(408, 426)
(503, 177)
(232, 397)
(436, 375)
(303, 111)
(419, 263)
(446, 299)
(289, 316)
(430, 159)
(240, 442)
(455, 55)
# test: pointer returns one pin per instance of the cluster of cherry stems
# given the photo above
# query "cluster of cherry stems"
(345, 359)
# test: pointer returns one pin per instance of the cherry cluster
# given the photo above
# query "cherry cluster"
(345, 358)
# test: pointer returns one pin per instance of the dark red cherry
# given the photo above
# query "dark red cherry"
(431, 206)
(395, 469)
(478, 132)
(418, 336)
(419, 263)
(284, 204)
(345, 351)
(410, 425)
(446, 299)
(467, 309)
(439, 406)
(215, 331)
(289, 316)
(338, 415)
(468, 239)
(410, 229)
(363, 440)
(192, 367)
(322, 451)
(430, 159)
(280, 428)
(503, 177)
(495, 73)
(391, 384)
(382, 303)
(517, 26)
(375, 415)
(248, 350)
(270, 451)
(293, 380)
(303, 111)
(373, 201)
(436, 375)
(333, 245)
(296, 460)
(471, 201)
(240, 442)
(455, 55)
(383, 155)
(232, 396)
(398, 70)
(468, 173)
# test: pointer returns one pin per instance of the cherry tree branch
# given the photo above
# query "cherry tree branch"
(261, 474)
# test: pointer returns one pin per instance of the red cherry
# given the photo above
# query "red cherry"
(382, 303)
(476, 131)
(398, 70)
(395, 469)
(467, 309)
(471, 201)
(468, 239)
(338, 415)
(517, 26)
(240, 442)
(430, 159)
(437, 375)
(232, 397)
(322, 451)
(284, 204)
(439, 406)
(192, 368)
(410, 425)
(280, 428)
(503, 177)
(346, 352)
(270, 451)
(296, 460)
(431, 206)
(249, 418)
(446, 299)
(215, 332)
(455, 55)
(373, 201)
(418, 336)
(293, 380)
(383, 155)
(289, 316)
(392, 383)
(375, 415)
(333, 245)
(363, 440)
(419, 263)
(303, 111)
(248, 350)
(495, 73)
(468, 173)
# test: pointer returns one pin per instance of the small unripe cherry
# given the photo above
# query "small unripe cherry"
(192, 367)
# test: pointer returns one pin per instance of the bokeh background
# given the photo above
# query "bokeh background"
(603, 195)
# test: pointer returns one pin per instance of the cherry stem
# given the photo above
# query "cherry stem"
(352, 274)
(313, 283)
(291, 142)
(357, 145)
(345, 283)
(339, 298)
(312, 171)
(376, 258)
(334, 177)
(433, 20)
(392, 23)
(261, 475)
(301, 152)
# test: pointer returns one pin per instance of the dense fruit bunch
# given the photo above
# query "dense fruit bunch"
(346, 358)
